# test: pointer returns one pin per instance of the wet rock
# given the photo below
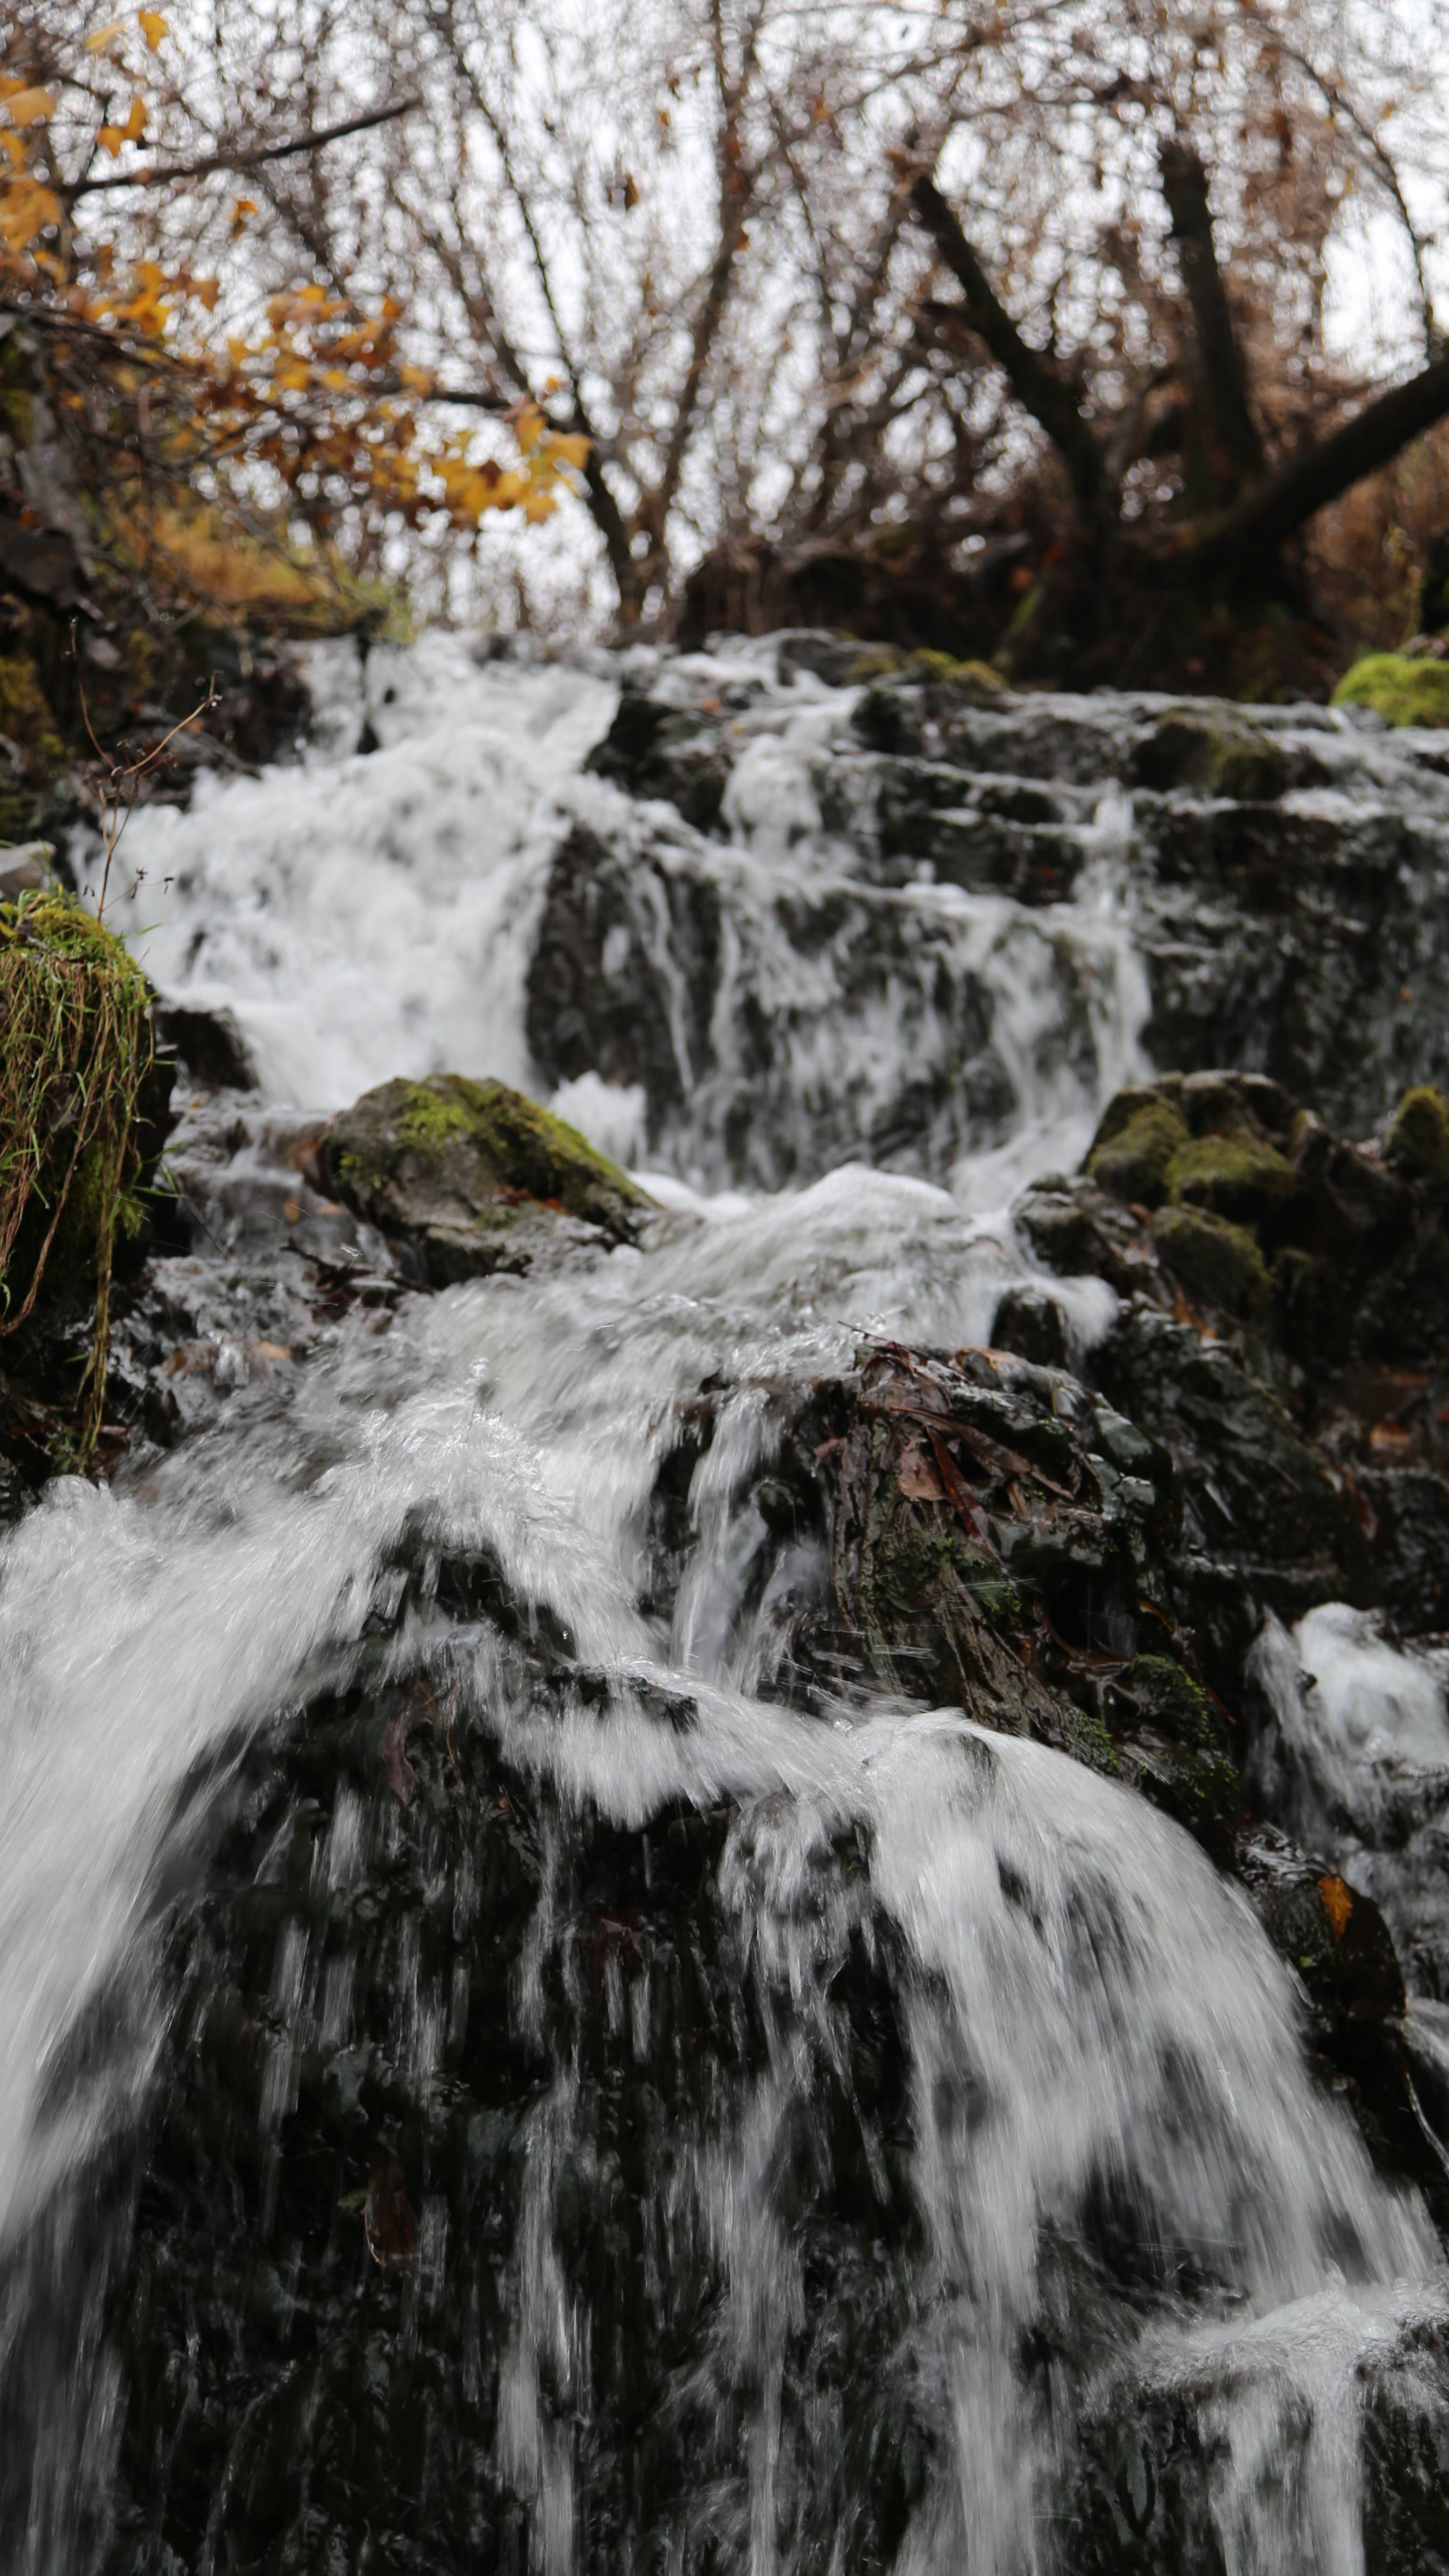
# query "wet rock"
(1297, 942)
(1332, 1935)
(1032, 1325)
(209, 1044)
(655, 748)
(598, 999)
(1216, 1262)
(1214, 758)
(1173, 1743)
(1158, 2494)
(986, 836)
(324, 2330)
(476, 1177)
(979, 1532)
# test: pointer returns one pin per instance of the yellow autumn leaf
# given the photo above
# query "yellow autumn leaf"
(104, 36)
(153, 27)
(13, 148)
(529, 426)
(570, 447)
(539, 505)
(135, 125)
(110, 139)
(29, 106)
(26, 207)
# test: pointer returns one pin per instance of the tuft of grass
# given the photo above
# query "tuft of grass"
(75, 1046)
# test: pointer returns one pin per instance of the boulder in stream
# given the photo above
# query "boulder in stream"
(475, 1177)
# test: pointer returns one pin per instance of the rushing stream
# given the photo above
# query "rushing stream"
(502, 2069)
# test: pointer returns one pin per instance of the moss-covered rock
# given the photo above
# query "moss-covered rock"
(476, 1176)
(1418, 1135)
(1234, 761)
(976, 684)
(1201, 1141)
(1215, 1260)
(1395, 685)
(1140, 1135)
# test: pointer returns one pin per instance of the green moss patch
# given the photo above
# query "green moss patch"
(1215, 759)
(1136, 1144)
(1406, 691)
(1234, 1176)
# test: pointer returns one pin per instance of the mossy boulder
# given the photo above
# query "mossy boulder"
(476, 1177)
(1216, 1261)
(1417, 1141)
(1140, 1135)
(1237, 762)
(1203, 1141)
(1398, 687)
(976, 684)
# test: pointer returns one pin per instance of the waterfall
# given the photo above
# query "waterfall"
(852, 2134)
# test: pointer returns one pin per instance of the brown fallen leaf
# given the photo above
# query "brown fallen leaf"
(916, 1476)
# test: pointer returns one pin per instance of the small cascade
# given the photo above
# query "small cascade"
(540, 2035)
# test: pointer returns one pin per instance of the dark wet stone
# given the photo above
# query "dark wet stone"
(653, 748)
(1032, 1324)
(624, 1020)
(209, 1045)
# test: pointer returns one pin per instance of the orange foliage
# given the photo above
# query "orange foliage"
(316, 410)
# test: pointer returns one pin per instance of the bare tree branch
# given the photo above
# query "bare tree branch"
(160, 172)
(1040, 391)
(1281, 505)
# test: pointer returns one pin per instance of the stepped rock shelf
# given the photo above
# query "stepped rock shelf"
(734, 1881)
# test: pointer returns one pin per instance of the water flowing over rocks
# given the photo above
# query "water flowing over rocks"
(737, 1864)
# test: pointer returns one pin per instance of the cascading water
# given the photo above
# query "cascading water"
(796, 2129)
